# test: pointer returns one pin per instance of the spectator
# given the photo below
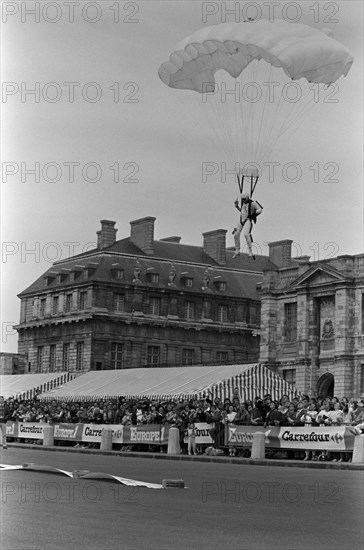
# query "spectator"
(217, 432)
(274, 417)
(242, 416)
(4, 416)
(191, 433)
(308, 418)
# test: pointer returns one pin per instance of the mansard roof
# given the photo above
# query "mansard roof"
(241, 275)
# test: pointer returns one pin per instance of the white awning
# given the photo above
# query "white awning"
(25, 386)
(176, 382)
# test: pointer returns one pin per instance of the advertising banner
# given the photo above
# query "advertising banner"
(151, 434)
(203, 436)
(30, 430)
(12, 429)
(333, 438)
(91, 433)
(68, 432)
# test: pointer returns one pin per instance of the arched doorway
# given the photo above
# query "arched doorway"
(325, 385)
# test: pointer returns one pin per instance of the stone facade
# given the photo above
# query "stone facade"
(140, 302)
(312, 314)
(13, 363)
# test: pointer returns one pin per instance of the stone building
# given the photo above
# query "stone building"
(140, 302)
(12, 363)
(312, 321)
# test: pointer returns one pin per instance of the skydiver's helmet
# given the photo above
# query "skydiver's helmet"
(245, 196)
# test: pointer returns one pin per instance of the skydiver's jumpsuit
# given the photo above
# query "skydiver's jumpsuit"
(248, 212)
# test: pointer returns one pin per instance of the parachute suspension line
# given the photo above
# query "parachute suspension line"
(260, 142)
(253, 183)
(253, 186)
(240, 183)
(295, 119)
(219, 109)
(252, 110)
(272, 137)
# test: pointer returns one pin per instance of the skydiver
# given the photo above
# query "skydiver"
(249, 211)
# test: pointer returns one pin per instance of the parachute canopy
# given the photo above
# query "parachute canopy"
(301, 51)
(256, 84)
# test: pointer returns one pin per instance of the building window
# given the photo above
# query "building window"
(119, 303)
(153, 356)
(188, 356)
(55, 305)
(117, 355)
(289, 375)
(206, 310)
(154, 306)
(221, 285)
(39, 358)
(42, 307)
(290, 321)
(117, 273)
(52, 358)
(66, 357)
(222, 313)
(253, 314)
(82, 300)
(79, 355)
(68, 303)
(362, 379)
(153, 277)
(189, 310)
(222, 356)
(189, 282)
(362, 313)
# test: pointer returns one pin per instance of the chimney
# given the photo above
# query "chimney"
(214, 244)
(107, 235)
(280, 253)
(142, 234)
(173, 239)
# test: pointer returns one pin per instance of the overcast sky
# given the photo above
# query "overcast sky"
(102, 114)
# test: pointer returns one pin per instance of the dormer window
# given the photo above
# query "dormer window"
(49, 278)
(220, 283)
(117, 272)
(187, 279)
(77, 270)
(89, 271)
(152, 277)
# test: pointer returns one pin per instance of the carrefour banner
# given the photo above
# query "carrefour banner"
(25, 430)
(92, 433)
(333, 438)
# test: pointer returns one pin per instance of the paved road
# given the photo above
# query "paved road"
(226, 506)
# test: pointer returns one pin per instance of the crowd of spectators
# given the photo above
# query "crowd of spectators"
(185, 413)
